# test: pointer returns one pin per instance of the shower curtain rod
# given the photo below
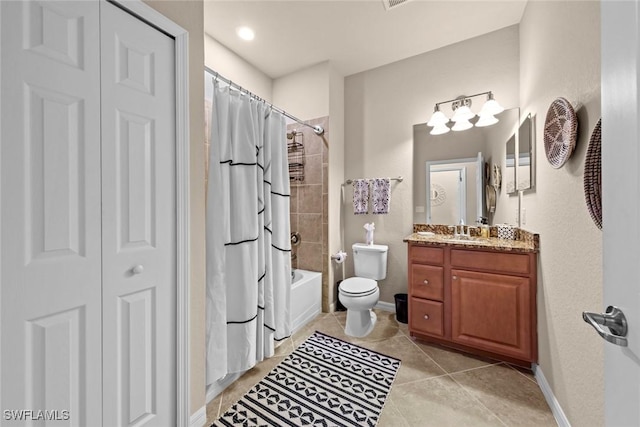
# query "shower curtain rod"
(317, 129)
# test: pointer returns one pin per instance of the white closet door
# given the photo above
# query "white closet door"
(50, 270)
(139, 213)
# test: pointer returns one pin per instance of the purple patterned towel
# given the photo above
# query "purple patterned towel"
(381, 195)
(360, 196)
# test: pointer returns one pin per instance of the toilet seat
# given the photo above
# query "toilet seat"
(358, 287)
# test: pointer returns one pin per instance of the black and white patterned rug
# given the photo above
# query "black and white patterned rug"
(324, 382)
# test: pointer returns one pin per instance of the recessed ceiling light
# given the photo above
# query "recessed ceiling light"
(245, 33)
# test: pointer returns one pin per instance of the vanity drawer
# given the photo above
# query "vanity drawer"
(492, 261)
(426, 254)
(427, 281)
(426, 316)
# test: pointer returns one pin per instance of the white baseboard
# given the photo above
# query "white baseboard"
(386, 306)
(553, 403)
(198, 418)
(218, 387)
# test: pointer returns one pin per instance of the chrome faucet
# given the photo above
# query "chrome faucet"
(462, 231)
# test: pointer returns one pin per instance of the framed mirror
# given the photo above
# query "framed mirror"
(525, 165)
(509, 174)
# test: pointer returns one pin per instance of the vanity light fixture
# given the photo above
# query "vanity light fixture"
(462, 110)
(462, 114)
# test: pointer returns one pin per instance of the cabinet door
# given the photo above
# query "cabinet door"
(492, 312)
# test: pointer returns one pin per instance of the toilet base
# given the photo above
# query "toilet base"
(360, 323)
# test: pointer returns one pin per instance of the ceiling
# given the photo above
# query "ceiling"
(354, 35)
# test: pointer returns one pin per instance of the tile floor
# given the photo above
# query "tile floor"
(435, 386)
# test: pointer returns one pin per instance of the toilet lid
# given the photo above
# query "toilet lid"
(358, 286)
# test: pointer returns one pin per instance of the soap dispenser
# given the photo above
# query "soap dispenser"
(484, 227)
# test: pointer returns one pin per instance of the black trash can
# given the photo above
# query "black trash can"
(339, 306)
(402, 312)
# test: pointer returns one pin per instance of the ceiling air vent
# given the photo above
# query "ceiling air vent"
(390, 4)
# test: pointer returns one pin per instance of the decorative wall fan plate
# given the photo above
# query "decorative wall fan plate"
(496, 177)
(560, 132)
(593, 176)
(490, 198)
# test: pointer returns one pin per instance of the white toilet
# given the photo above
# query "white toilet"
(360, 294)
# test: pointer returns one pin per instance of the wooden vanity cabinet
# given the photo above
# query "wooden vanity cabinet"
(479, 300)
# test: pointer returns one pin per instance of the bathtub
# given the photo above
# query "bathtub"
(306, 298)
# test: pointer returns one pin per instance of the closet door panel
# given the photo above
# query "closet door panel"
(50, 268)
(138, 176)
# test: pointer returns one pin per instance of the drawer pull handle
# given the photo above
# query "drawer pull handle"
(455, 277)
(426, 317)
(426, 282)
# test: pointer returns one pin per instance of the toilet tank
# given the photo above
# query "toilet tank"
(370, 261)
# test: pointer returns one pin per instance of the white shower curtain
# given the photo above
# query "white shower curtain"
(248, 240)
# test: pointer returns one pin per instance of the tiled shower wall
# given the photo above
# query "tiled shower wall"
(309, 205)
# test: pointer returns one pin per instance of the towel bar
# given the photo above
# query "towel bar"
(399, 179)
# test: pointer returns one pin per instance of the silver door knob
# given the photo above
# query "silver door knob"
(138, 269)
(613, 319)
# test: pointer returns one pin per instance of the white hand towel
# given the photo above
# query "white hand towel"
(360, 196)
(381, 195)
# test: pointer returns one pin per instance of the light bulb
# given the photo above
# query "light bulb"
(486, 120)
(491, 106)
(462, 113)
(437, 118)
(440, 129)
(462, 124)
(245, 33)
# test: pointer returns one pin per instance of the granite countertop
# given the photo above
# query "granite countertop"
(525, 241)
